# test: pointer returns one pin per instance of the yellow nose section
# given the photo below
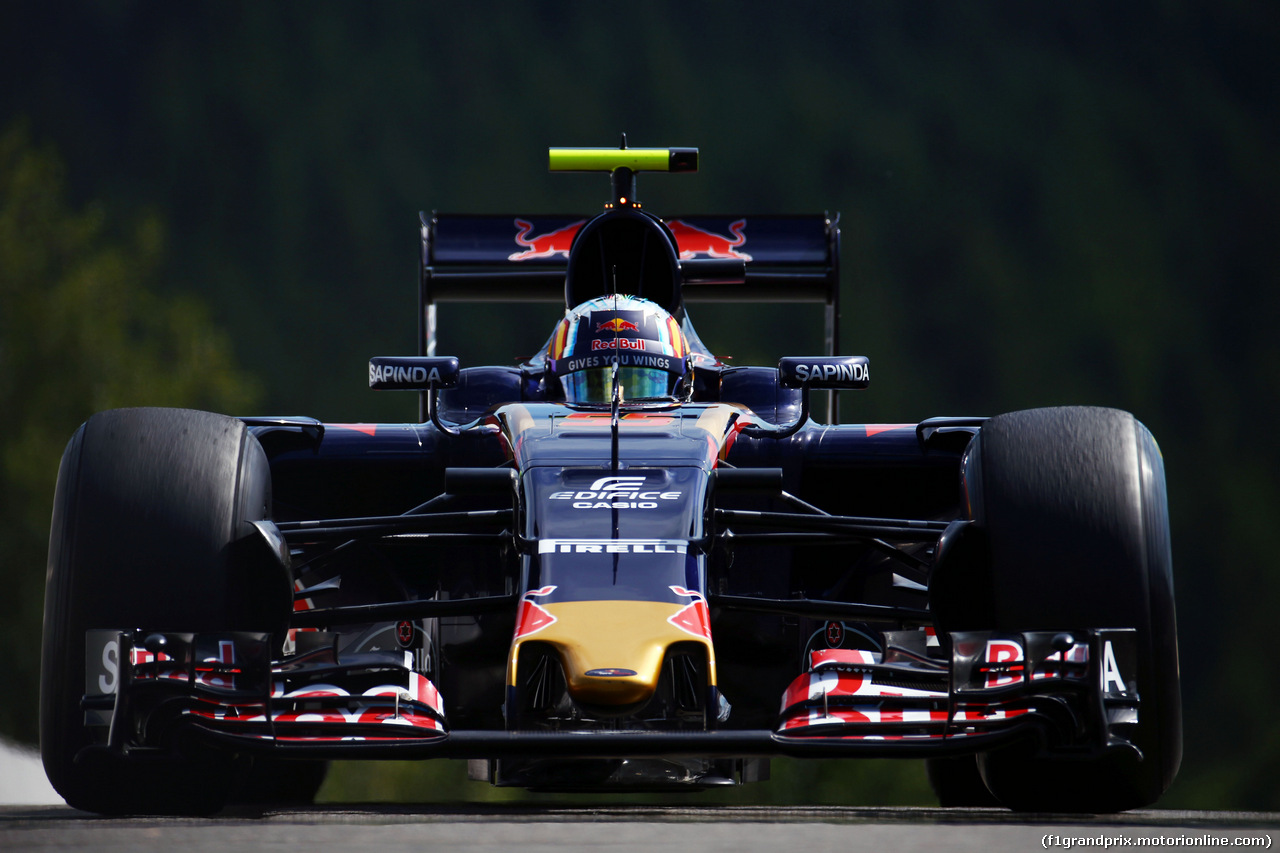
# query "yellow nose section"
(613, 650)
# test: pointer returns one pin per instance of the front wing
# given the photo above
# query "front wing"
(1072, 690)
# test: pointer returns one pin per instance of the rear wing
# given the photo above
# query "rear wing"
(488, 258)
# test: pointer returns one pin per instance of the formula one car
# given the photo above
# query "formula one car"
(622, 564)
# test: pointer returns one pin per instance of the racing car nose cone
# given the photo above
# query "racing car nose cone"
(612, 651)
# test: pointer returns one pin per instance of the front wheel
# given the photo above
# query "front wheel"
(151, 530)
(957, 784)
(1072, 503)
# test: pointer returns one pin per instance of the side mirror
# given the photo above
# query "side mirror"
(417, 373)
(412, 373)
(848, 372)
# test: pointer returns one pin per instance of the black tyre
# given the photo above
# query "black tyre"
(957, 783)
(281, 782)
(1072, 502)
(151, 531)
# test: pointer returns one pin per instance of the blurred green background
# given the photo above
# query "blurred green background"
(215, 205)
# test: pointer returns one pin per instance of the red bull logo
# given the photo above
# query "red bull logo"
(543, 245)
(694, 617)
(533, 617)
(617, 324)
(692, 241)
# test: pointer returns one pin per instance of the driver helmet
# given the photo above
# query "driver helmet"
(651, 351)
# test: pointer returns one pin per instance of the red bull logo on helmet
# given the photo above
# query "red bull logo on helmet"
(692, 241)
(617, 324)
(546, 245)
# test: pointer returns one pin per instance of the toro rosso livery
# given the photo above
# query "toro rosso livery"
(622, 564)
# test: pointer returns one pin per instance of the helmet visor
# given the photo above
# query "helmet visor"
(595, 385)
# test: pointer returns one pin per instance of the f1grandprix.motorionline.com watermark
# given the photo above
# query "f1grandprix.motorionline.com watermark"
(1108, 841)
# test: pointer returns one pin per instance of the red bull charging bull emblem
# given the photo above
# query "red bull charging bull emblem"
(617, 324)
(547, 245)
(692, 241)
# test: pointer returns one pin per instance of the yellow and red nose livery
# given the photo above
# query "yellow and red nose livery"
(612, 651)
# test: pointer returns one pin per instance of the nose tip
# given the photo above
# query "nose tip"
(612, 651)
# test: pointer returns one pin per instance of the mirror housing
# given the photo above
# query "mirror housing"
(848, 372)
(412, 373)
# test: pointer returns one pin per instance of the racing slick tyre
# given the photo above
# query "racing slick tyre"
(1072, 503)
(957, 784)
(282, 782)
(151, 530)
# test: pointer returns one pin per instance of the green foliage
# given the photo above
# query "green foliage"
(82, 328)
(792, 782)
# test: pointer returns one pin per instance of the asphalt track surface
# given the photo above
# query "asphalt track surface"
(569, 829)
